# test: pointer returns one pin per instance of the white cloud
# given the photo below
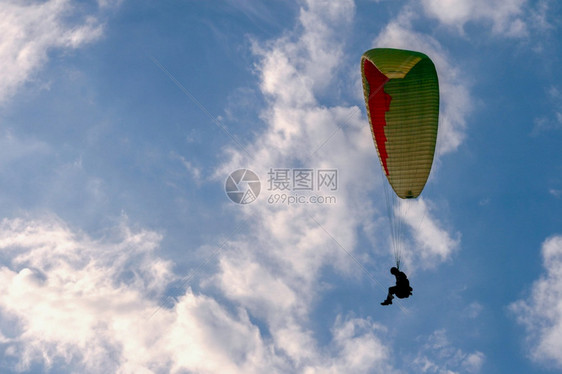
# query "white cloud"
(432, 244)
(539, 15)
(72, 296)
(29, 30)
(89, 304)
(541, 312)
(505, 16)
(292, 69)
(355, 349)
(438, 355)
(553, 121)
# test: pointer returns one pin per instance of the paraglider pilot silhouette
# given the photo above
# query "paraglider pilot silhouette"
(401, 290)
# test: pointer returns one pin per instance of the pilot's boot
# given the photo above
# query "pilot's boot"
(388, 301)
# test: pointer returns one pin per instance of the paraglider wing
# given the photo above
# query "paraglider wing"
(402, 99)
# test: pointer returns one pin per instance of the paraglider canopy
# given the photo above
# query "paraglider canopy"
(402, 98)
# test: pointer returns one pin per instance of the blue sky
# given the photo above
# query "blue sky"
(120, 251)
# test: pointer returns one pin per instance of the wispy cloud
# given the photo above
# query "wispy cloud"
(194, 171)
(552, 121)
(438, 355)
(432, 244)
(555, 192)
(514, 19)
(540, 312)
(13, 149)
(29, 30)
(60, 287)
(506, 18)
